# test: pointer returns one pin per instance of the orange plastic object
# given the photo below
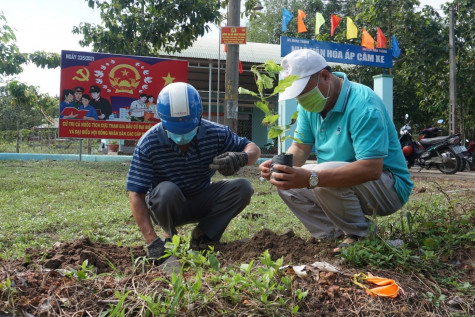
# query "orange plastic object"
(387, 287)
(379, 280)
(386, 291)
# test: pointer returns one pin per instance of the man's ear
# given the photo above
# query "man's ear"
(325, 75)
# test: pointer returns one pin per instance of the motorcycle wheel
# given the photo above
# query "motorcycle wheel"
(451, 164)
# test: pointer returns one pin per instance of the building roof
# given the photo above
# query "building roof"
(204, 55)
(207, 48)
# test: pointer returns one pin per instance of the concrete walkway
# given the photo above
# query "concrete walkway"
(59, 157)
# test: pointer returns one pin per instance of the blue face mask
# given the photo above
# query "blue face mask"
(182, 139)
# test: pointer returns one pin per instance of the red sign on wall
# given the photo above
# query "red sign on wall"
(110, 96)
(233, 35)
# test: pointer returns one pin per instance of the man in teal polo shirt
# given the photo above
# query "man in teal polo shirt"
(360, 171)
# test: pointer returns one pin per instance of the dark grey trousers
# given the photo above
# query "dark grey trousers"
(212, 209)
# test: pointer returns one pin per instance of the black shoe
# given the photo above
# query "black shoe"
(156, 250)
(196, 234)
(200, 239)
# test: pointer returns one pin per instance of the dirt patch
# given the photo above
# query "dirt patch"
(46, 287)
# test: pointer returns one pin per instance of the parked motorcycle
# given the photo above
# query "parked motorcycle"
(431, 132)
(469, 156)
(443, 152)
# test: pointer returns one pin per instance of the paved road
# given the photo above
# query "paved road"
(435, 173)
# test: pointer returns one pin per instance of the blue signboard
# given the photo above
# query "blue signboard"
(340, 53)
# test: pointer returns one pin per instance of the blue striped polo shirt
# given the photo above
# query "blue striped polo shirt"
(156, 158)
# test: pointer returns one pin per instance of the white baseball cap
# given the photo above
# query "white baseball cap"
(303, 63)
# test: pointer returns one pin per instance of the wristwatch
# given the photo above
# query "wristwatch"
(313, 180)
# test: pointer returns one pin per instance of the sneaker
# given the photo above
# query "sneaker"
(197, 234)
(198, 238)
(156, 250)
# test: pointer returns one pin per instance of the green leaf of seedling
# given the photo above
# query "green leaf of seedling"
(295, 309)
(81, 275)
(293, 119)
(288, 137)
(213, 261)
(272, 67)
(197, 286)
(244, 91)
(247, 267)
(255, 70)
(263, 106)
(284, 83)
(267, 82)
(274, 132)
(270, 119)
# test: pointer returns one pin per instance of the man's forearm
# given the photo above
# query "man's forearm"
(141, 216)
(253, 153)
(300, 153)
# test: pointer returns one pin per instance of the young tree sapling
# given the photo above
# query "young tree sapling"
(265, 76)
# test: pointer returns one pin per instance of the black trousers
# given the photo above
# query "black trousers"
(212, 209)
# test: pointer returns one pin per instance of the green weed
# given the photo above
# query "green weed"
(119, 309)
(9, 291)
(432, 229)
(84, 272)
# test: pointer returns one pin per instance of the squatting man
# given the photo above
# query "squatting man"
(169, 180)
(361, 171)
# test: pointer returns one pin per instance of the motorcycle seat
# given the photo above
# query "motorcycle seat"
(432, 141)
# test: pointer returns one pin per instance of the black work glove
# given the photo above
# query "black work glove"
(229, 163)
(156, 249)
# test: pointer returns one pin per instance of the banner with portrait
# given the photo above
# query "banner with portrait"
(110, 96)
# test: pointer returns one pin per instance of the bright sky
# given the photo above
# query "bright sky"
(46, 25)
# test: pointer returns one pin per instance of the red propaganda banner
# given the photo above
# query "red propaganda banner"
(108, 96)
(233, 35)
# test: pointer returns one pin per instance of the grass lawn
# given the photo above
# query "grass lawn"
(46, 202)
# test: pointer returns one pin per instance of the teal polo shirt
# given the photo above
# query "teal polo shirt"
(357, 128)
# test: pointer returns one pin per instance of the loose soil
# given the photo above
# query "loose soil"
(44, 287)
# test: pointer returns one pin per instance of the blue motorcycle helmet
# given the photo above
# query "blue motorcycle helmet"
(179, 107)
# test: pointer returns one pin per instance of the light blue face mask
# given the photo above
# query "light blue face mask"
(182, 139)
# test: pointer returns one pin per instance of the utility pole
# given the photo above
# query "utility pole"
(452, 76)
(231, 77)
